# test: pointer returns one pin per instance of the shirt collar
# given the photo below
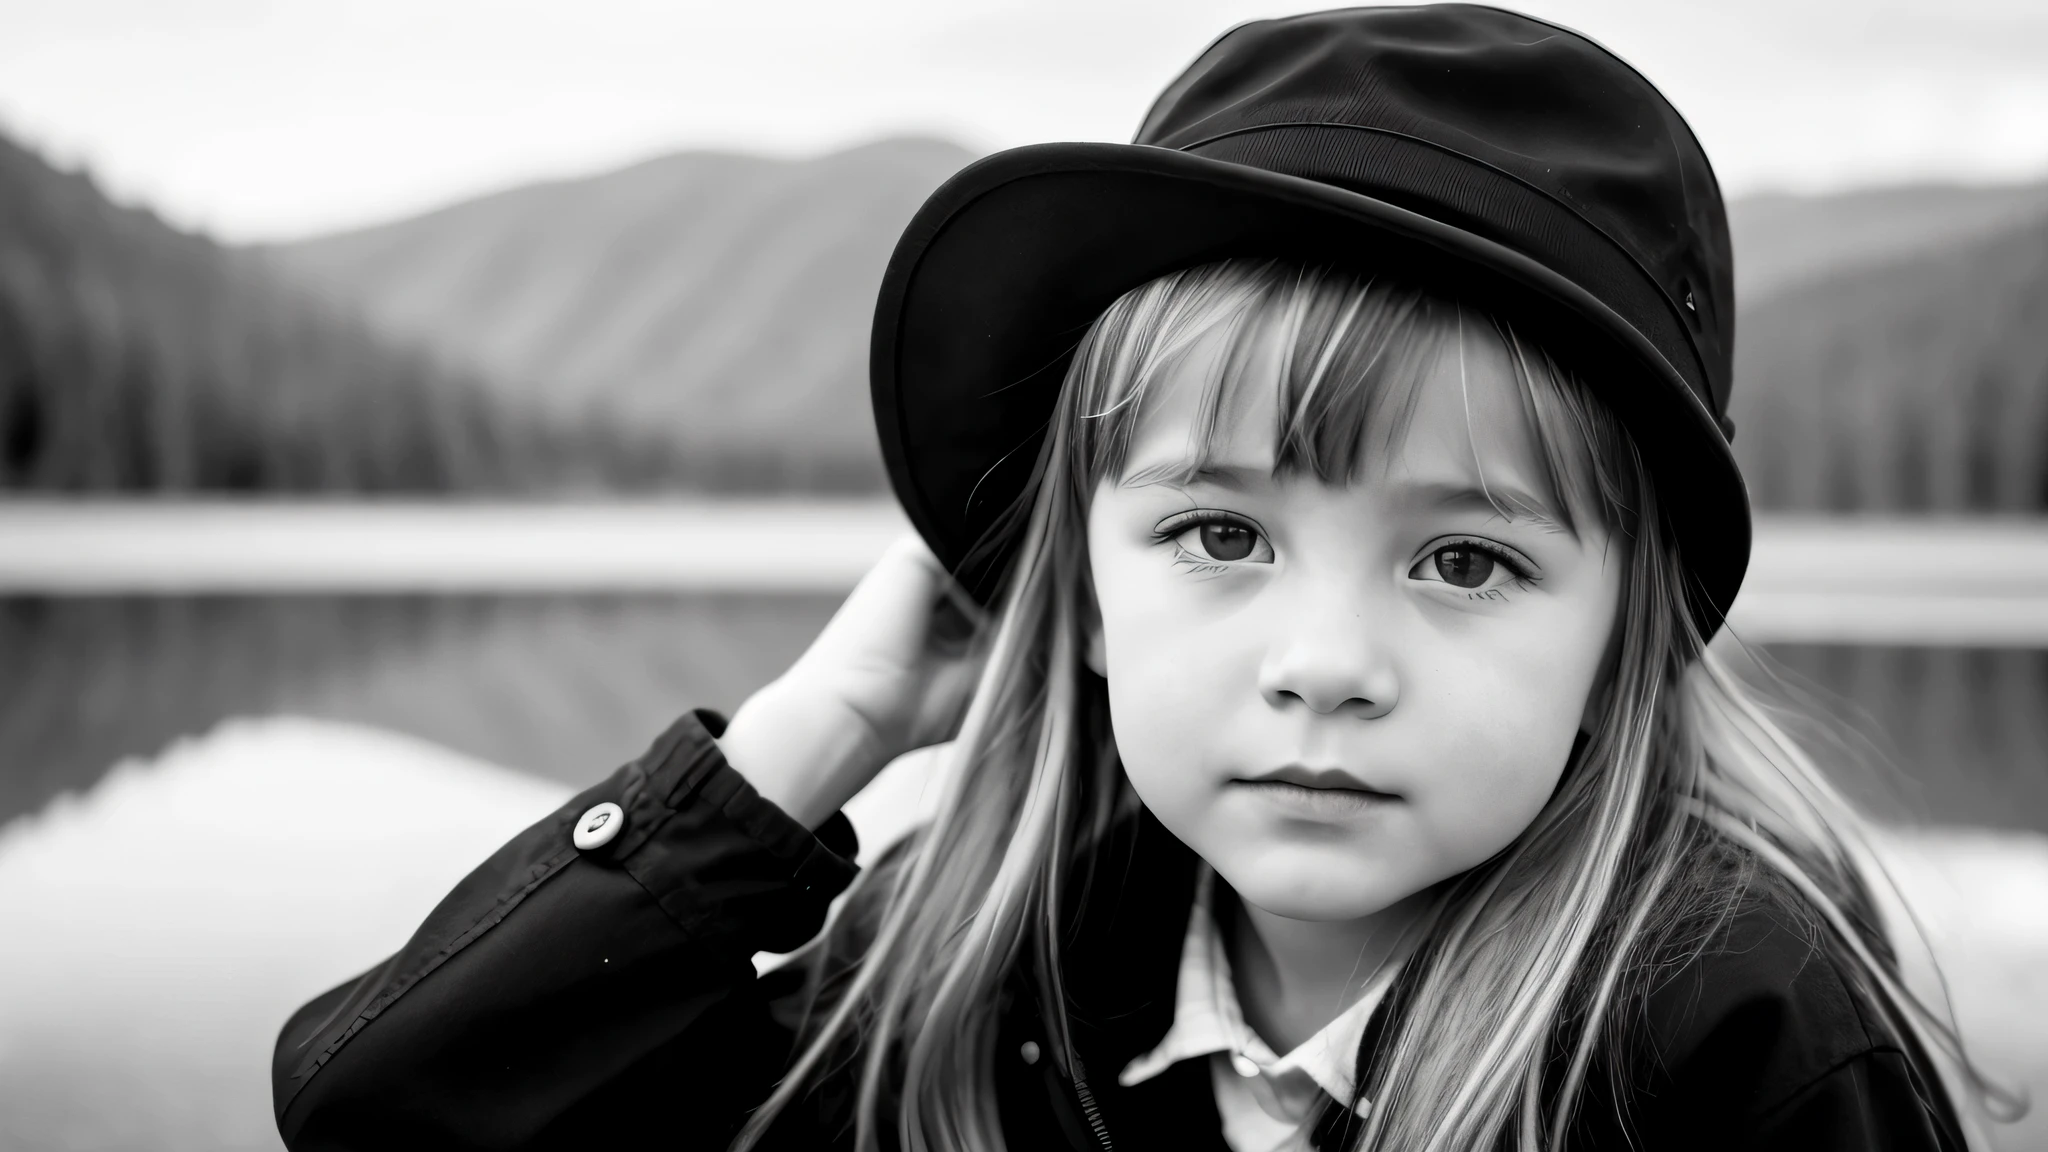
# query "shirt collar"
(1207, 1018)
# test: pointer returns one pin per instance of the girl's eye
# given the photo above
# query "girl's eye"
(1227, 541)
(1212, 541)
(1465, 567)
(1472, 566)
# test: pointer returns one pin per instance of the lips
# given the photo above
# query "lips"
(1320, 779)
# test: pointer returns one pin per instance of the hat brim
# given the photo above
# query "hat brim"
(1006, 266)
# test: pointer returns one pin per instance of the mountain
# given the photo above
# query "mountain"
(1782, 240)
(721, 299)
(134, 357)
(1888, 347)
(1919, 384)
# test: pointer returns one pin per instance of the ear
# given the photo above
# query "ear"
(1092, 651)
(1603, 684)
(1596, 705)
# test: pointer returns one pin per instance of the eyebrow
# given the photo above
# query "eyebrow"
(1523, 506)
(1452, 496)
(1234, 477)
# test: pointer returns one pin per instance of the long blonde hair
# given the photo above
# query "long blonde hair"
(1691, 766)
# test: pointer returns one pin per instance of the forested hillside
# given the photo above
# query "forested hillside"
(134, 357)
(1920, 385)
(700, 322)
(1784, 240)
(723, 300)
(1889, 339)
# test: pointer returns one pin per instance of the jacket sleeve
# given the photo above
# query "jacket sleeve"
(560, 998)
(1763, 1043)
(1873, 1102)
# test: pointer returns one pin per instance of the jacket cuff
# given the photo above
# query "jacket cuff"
(718, 857)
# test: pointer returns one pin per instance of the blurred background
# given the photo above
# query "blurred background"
(407, 408)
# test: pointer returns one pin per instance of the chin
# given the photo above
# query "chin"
(1315, 889)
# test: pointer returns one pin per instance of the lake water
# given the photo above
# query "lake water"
(564, 687)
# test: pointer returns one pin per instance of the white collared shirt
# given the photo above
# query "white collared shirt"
(1268, 1103)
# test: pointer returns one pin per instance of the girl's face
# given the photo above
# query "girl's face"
(1339, 696)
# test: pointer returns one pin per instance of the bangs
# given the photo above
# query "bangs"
(1347, 359)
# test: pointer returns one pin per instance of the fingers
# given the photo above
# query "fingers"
(956, 619)
(956, 616)
(906, 597)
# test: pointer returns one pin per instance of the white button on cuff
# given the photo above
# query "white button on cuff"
(599, 825)
(1029, 1051)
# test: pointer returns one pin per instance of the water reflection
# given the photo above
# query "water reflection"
(567, 687)
(1955, 736)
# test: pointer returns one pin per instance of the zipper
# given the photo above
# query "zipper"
(1089, 1109)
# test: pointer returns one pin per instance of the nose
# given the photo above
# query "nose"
(1331, 662)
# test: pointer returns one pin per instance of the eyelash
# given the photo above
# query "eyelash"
(1523, 578)
(1178, 525)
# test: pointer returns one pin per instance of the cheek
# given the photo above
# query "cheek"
(1506, 733)
(1174, 674)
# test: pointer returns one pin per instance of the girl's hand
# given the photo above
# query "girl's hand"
(890, 673)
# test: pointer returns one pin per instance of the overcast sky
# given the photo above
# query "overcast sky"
(264, 120)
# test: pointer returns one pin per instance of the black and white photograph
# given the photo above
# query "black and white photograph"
(1023, 576)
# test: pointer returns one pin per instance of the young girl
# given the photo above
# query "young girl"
(1325, 506)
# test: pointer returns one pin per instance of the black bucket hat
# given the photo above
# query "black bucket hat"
(1473, 150)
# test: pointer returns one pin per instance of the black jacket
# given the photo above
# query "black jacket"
(562, 999)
